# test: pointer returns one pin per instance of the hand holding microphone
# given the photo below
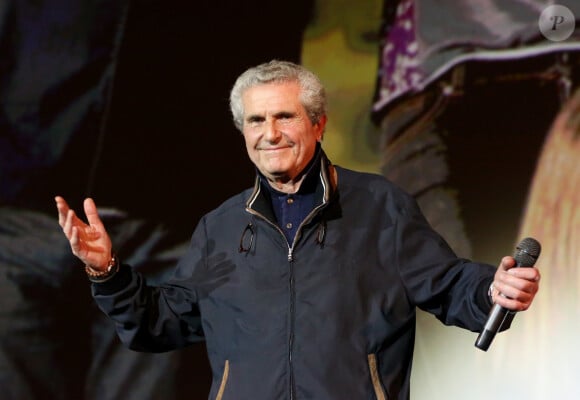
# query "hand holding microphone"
(515, 288)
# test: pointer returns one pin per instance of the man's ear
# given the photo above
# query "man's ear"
(321, 126)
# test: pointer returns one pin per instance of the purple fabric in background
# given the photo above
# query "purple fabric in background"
(426, 38)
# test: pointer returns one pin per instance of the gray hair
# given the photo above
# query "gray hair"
(312, 96)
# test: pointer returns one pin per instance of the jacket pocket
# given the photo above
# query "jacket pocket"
(224, 382)
(375, 378)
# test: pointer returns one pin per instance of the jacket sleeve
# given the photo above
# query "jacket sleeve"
(162, 318)
(435, 279)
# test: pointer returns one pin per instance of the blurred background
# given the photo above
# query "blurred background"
(471, 106)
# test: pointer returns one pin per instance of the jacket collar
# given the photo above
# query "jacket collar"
(260, 201)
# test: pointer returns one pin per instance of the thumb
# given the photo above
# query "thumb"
(92, 215)
(507, 263)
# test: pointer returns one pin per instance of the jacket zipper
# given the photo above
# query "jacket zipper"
(292, 308)
(306, 220)
(290, 258)
(291, 283)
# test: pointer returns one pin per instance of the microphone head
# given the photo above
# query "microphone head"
(527, 252)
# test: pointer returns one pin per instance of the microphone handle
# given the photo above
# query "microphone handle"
(497, 318)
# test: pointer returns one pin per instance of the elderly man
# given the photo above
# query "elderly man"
(306, 285)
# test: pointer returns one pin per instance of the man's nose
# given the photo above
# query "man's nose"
(271, 132)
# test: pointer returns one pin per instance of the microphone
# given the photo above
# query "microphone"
(526, 254)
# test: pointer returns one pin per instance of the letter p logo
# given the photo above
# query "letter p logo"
(557, 23)
(558, 20)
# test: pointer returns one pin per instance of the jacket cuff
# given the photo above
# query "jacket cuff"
(118, 282)
(482, 297)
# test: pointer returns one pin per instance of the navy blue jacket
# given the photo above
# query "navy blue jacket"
(331, 316)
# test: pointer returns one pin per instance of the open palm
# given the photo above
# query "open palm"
(90, 242)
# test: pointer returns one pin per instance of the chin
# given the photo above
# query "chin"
(276, 170)
(277, 175)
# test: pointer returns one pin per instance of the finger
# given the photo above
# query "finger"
(75, 242)
(62, 208)
(499, 281)
(509, 285)
(530, 274)
(521, 303)
(514, 293)
(66, 214)
(68, 223)
(92, 215)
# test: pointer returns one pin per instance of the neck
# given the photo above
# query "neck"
(287, 186)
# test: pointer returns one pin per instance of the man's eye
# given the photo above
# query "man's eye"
(255, 121)
(285, 118)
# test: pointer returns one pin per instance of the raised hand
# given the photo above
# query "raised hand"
(89, 242)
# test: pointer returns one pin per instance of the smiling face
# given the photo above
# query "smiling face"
(280, 138)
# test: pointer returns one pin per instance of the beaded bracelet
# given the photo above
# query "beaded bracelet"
(104, 275)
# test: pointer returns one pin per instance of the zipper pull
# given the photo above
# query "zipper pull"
(290, 255)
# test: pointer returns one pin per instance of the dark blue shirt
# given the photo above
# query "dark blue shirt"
(291, 209)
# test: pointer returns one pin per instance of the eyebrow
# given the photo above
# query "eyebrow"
(254, 118)
(278, 115)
